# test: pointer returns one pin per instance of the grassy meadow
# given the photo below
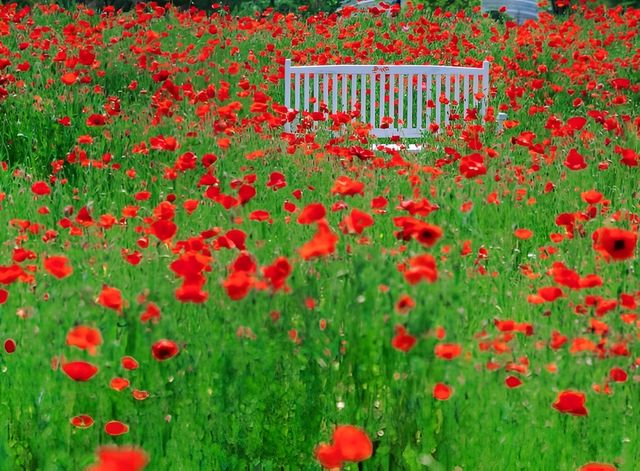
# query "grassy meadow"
(179, 274)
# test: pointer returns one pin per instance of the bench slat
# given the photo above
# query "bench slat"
(325, 89)
(392, 95)
(447, 108)
(410, 101)
(287, 86)
(297, 91)
(382, 96)
(354, 81)
(401, 120)
(429, 83)
(419, 110)
(363, 98)
(306, 92)
(372, 100)
(466, 94)
(457, 94)
(334, 93)
(475, 91)
(345, 82)
(436, 97)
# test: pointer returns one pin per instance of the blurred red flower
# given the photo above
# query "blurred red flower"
(111, 298)
(58, 266)
(81, 421)
(164, 349)
(571, 402)
(615, 244)
(79, 370)
(85, 338)
(115, 427)
(442, 392)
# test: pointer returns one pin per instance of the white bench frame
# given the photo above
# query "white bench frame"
(457, 84)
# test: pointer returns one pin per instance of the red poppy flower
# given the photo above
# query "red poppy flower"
(140, 395)
(246, 193)
(164, 349)
(597, 467)
(238, 284)
(613, 243)
(163, 229)
(442, 392)
(191, 290)
(352, 443)
(129, 363)
(472, 166)
(84, 217)
(119, 384)
(126, 458)
(312, 213)
(40, 188)
(10, 274)
(277, 273)
(276, 181)
(79, 370)
(404, 304)
(356, 222)
(190, 206)
(111, 298)
(85, 338)
(142, 195)
(323, 242)
(523, 234)
(550, 293)
(403, 341)
(447, 351)
(412, 228)
(577, 122)
(96, 120)
(151, 313)
(513, 382)
(421, 267)
(571, 402)
(115, 427)
(69, 78)
(575, 161)
(591, 196)
(328, 456)
(4, 295)
(164, 143)
(81, 421)
(58, 266)
(260, 215)
(9, 345)
(618, 375)
(345, 186)
(86, 57)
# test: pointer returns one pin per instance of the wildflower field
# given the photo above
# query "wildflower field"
(186, 286)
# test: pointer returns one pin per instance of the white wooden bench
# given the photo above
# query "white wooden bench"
(397, 100)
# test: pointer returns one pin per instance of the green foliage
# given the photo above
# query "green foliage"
(449, 5)
(284, 6)
(623, 3)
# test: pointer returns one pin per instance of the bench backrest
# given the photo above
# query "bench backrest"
(413, 96)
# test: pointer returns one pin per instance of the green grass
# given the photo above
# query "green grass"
(231, 402)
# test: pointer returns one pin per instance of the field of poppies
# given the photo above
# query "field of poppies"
(186, 286)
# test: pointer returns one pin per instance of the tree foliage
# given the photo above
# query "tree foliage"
(250, 7)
